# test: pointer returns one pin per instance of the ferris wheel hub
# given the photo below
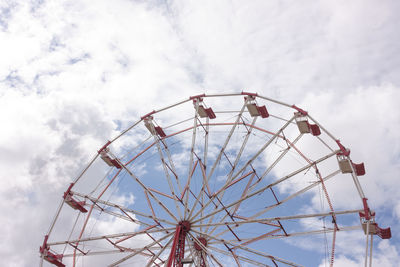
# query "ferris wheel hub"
(203, 241)
(185, 225)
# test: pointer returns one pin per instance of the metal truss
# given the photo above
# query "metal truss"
(227, 181)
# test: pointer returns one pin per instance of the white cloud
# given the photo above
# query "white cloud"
(384, 255)
(368, 122)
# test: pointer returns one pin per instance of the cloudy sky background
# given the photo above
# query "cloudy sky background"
(73, 73)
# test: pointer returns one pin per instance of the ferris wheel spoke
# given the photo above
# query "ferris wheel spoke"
(157, 255)
(141, 250)
(322, 184)
(236, 207)
(246, 189)
(206, 136)
(195, 259)
(190, 165)
(124, 236)
(294, 234)
(245, 166)
(242, 147)
(228, 138)
(290, 234)
(126, 216)
(205, 186)
(233, 209)
(276, 135)
(116, 245)
(150, 125)
(171, 165)
(219, 203)
(223, 189)
(333, 214)
(200, 197)
(162, 193)
(269, 168)
(229, 181)
(266, 187)
(149, 192)
(307, 188)
(92, 207)
(314, 232)
(280, 157)
(245, 248)
(203, 167)
(104, 252)
(250, 186)
(235, 257)
(285, 235)
(260, 237)
(252, 173)
(221, 152)
(140, 153)
(186, 189)
(165, 167)
(86, 242)
(125, 209)
(205, 249)
(271, 221)
(151, 208)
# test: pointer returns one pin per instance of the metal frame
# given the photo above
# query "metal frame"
(208, 210)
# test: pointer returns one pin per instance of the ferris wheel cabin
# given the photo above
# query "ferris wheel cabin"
(254, 109)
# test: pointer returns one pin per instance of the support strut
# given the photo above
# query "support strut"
(178, 246)
(200, 250)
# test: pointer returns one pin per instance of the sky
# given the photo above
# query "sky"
(75, 73)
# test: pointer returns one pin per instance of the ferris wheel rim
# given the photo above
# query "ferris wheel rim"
(188, 211)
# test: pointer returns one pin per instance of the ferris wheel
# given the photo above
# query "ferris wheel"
(214, 180)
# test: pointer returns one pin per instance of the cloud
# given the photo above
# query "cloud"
(384, 255)
(371, 131)
(289, 48)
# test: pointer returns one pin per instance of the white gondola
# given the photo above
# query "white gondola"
(304, 126)
(344, 164)
(256, 110)
(112, 162)
(347, 166)
(203, 111)
(154, 130)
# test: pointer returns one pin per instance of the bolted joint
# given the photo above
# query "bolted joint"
(185, 226)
